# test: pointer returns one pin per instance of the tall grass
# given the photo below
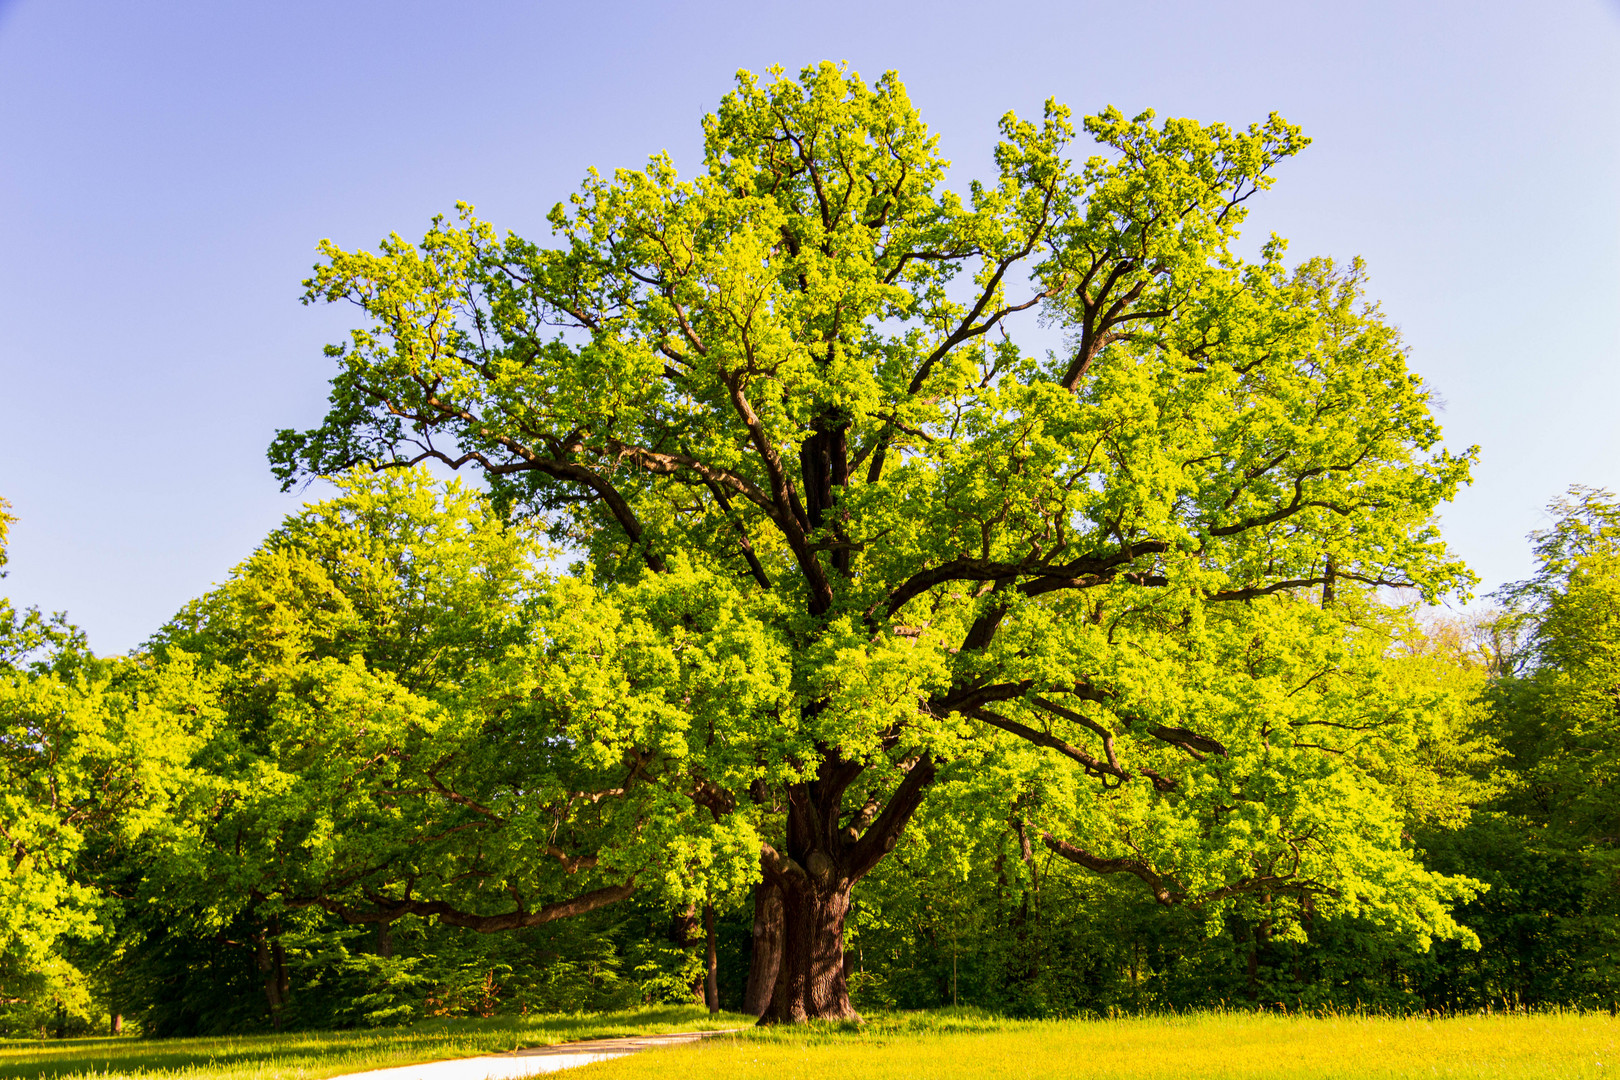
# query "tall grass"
(1203, 1046)
(949, 1043)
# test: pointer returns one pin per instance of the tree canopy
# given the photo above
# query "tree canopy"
(1564, 693)
(1558, 713)
(388, 743)
(842, 537)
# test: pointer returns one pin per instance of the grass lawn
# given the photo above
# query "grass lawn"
(1208, 1046)
(312, 1055)
(913, 1046)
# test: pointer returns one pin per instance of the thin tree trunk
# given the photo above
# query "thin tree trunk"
(1259, 936)
(283, 983)
(1032, 898)
(765, 956)
(710, 962)
(711, 973)
(272, 978)
(685, 932)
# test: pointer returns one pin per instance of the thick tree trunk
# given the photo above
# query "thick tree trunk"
(810, 983)
(711, 963)
(827, 851)
(765, 956)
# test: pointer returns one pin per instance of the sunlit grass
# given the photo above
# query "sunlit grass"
(912, 1046)
(316, 1054)
(1206, 1046)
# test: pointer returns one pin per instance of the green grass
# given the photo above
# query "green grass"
(1206, 1046)
(316, 1054)
(951, 1043)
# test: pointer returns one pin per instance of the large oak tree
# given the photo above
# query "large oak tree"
(780, 403)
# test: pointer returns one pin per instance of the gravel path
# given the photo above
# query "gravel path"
(530, 1061)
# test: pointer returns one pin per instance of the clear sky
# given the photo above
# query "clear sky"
(167, 167)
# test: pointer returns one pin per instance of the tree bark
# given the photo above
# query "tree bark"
(1259, 938)
(765, 956)
(827, 852)
(283, 982)
(810, 983)
(711, 963)
(685, 932)
(274, 975)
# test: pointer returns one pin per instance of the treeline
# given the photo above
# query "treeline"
(131, 896)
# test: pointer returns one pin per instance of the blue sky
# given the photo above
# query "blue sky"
(166, 169)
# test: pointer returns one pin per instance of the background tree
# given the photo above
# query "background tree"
(396, 740)
(29, 636)
(1564, 696)
(786, 385)
(92, 753)
(1548, 843)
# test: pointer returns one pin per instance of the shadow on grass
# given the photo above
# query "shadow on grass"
(882, 1026)
(327, 1053)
